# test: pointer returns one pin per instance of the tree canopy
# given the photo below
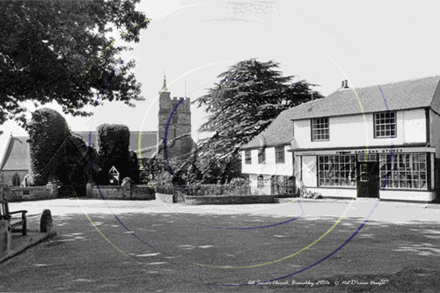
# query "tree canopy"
(249, 96)
(62, 51)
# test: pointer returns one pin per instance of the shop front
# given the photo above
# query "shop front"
(395, 173)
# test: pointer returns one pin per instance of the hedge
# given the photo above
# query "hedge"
(47, 131)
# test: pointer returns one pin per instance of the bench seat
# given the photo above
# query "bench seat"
(5, 214)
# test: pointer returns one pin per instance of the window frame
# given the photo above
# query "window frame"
(280, 150)
(326, 166)
(248, 157)
(261, 156)
(392, 172)
(386, 124)
(16, 180)
(315, 122)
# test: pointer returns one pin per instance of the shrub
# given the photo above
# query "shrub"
(47, 132)
(114, 142)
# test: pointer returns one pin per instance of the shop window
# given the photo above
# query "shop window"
(403, 171)
(279, 155)
(320, 129)
(247, 157)
(385, 125)
(367, 158)
(261, 156)
(337, 171)
(15, 180)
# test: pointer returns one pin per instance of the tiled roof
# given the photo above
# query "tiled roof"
(280, 131)
(147, 139)
(16, 156)
(415, 93)
(148, 152)
(409, 94)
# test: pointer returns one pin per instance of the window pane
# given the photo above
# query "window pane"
(385, 124)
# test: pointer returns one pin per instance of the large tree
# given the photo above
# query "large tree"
(62, 51)
(249, 96)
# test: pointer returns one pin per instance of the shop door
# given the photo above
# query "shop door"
(368, 180)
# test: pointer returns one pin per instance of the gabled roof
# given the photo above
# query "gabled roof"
(409, 94)
(280, 131)
(16, 156)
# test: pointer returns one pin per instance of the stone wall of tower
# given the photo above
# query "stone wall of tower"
(180, 120)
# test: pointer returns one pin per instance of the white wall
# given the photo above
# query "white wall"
(352, 131)
(270, 168)
(309, 172)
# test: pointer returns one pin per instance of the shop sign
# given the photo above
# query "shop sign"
(383, 151)
(364, 151)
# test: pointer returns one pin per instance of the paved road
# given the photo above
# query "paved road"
(138, 246)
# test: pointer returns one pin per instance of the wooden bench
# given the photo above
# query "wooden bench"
(5, 214)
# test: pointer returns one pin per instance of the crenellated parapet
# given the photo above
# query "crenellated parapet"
(174, 113)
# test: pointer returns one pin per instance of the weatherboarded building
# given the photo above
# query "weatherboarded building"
(380, 141)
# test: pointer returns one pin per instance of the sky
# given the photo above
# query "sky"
(322, 42)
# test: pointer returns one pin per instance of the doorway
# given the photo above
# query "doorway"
(368, 180)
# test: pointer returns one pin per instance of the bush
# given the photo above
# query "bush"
(47, 132)
(114, 143)
(238, 189)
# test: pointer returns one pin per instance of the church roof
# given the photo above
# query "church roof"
(16, 155)
(138, 139)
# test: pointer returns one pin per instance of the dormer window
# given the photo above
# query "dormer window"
(385, 125)
(320, 129)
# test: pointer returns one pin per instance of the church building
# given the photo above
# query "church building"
(174, 129)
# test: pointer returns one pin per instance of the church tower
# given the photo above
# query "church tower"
(179, 120)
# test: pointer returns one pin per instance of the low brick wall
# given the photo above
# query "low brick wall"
(17, 194)
(135, 192)
(202, 200)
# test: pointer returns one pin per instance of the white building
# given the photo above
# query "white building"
(378, 141)
(266, 159)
